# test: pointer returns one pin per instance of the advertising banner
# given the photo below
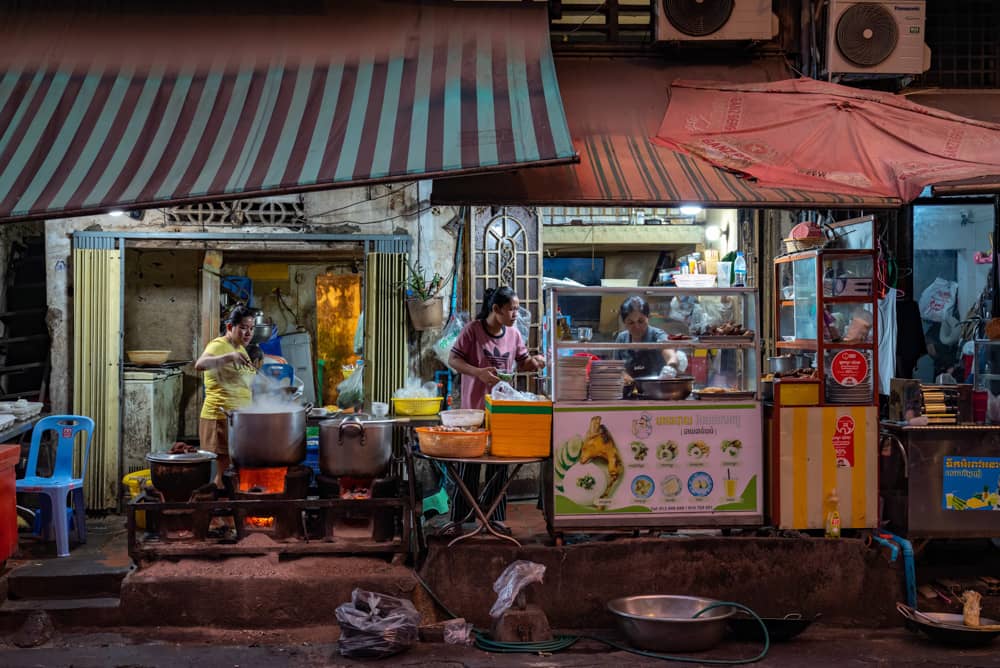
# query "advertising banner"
(971, 483)
(699, 458)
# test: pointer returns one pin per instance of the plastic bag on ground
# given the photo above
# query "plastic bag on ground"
(351, 392)
(454, 327)
(374, 626)
(457, 632)
(514, 578)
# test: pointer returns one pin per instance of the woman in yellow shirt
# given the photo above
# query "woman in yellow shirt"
(228, 376)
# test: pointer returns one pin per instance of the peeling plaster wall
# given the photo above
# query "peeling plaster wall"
(162, 312)
(389, 209)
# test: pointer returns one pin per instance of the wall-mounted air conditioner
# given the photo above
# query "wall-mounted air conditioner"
(714, 20)
(877, 37)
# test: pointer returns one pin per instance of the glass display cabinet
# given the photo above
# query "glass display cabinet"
(713, 335)
(826, 309)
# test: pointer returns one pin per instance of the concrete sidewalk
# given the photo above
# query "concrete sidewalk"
(818, 647)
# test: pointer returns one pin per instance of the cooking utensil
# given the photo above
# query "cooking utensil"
(665, 623)
(948, 628)
(270, 437)
(178, 476)
(787, 363)
(665, 389)
(355, 445)
(778, 628)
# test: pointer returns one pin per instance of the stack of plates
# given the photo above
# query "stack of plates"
(607, 380)
(854, 394)
(571, 379)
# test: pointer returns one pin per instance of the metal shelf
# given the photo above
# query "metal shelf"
(684, 343)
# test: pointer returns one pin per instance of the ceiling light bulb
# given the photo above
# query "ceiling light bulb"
(116, 212)
(691, 210)
(712, 233)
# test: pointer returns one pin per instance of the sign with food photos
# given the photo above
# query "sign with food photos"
(693, 457)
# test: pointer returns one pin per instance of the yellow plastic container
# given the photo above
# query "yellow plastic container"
(417, 406)
(796, 392)
(134, 482)
(519, 428)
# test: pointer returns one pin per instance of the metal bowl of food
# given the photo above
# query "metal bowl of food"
(665, 623)
(665, 389)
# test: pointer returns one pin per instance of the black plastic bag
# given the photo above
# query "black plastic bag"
(374, 626)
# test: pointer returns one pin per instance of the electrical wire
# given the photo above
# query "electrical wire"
(390, 193)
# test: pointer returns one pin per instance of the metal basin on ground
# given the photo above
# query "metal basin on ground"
(665, 623)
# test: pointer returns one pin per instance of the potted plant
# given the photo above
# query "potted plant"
(423, 299)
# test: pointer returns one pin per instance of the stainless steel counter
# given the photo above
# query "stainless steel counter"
(914, 483)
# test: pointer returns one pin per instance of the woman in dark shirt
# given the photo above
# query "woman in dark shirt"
(634, 313)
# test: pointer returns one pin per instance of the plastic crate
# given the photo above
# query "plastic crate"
(519, 428)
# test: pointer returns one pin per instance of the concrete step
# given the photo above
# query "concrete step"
(66, 578)
(65, 612)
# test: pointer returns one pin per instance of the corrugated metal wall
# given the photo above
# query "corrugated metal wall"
(97, 340)
(385, 325)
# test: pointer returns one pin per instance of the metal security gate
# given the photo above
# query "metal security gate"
(97, 344)
(506, 250)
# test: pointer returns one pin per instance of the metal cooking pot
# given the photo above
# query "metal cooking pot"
(665, 389)
(261, 438)
(263, 329)
(355, 445)
(178, 476)
(787, 363)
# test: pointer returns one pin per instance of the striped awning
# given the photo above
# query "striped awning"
(135, 110)
(614, 109)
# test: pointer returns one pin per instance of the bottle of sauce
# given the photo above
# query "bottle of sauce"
(832, 515)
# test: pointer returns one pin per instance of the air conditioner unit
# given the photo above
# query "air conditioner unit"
(877, 37)
(714, 20)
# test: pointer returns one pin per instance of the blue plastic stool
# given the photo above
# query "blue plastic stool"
(61, 499)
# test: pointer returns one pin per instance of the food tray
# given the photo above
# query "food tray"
(732, 338)
(438, 443)
(724, 396)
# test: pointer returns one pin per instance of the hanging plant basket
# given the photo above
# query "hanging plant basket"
(426, 313)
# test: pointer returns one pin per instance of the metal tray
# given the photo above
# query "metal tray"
(947, 628)
(723, 396)
(732, 338)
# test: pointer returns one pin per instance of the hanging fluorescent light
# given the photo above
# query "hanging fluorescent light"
(116, 212)
(691, 210)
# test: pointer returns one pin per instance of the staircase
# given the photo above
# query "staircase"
(82, 590)
(24, 333)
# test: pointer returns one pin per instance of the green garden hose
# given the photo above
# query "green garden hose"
(560, 643)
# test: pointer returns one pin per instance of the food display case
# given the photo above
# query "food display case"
(679, 447)
(822, 427)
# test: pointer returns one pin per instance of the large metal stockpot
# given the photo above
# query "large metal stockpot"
(355, 445)
(267, 437)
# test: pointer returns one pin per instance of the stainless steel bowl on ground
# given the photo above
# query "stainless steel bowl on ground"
(665, 389)
(665, 623)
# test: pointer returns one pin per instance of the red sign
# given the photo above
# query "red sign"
(843, 442)
(849, 367)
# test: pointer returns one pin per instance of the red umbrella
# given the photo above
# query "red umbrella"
(813, 135)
